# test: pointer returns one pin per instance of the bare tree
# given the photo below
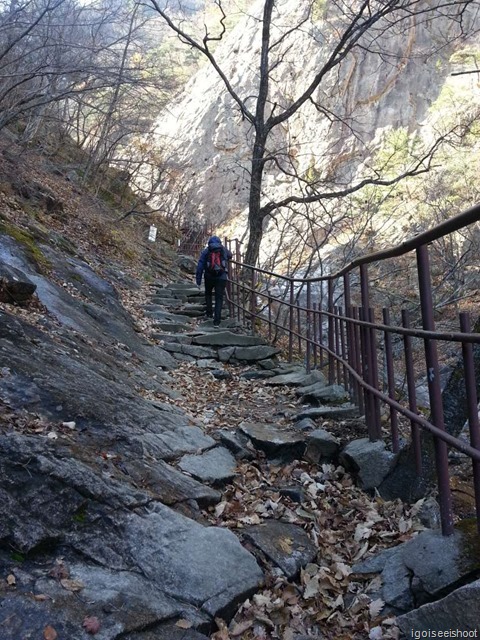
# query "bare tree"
(363, 29)
(85, 70)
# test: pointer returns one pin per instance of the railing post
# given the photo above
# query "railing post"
(343, 346)
(291, 322)
(434, 389)
(331, 334)
(269, 302)
(411, 392)
(358, 355)
(309, 332)
(315, 334)
(350, 340)
(472, 408)
(391, 381)
(337, 342)
(370, 359)
(299, 328)
(364, 351)
(253, 301)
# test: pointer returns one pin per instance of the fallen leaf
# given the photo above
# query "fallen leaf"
(11, 580)
(220, 508)
(184, 624)
(59, 571)
(241, 627)
(72, 585)
(285, 545)
(376, 633)
(261, 600)
(91, 625)
(375, 607)
(404, 525)
(49, 633)
(362, 531)
(312, 588)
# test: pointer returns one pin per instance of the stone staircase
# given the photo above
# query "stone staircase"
(180, 326)
(177, 310)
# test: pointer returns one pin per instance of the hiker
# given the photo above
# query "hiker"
(213, 262)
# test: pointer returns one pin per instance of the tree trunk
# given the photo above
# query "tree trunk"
(256, 214)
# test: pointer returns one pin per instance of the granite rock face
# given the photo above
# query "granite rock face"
(210, 141)
(88, 488)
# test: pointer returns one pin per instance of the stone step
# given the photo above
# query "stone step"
(193, 313)
(167, 316)
(174, 327)
(216, 466)
(192, 291)
(180, 286)
(173, 337)
(342, 412)
(195, 351)
(165, 301)
(228, 339)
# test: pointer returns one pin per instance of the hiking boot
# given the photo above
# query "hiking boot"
(216, 325)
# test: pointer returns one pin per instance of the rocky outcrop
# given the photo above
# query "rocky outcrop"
(208, 140)
(424, 570)
(90, 500)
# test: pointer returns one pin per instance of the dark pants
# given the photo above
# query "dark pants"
(218, 285)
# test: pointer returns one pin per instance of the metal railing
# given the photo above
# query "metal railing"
(330, 322)
(193, 239)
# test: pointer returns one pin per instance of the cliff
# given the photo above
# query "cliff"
(388, 83)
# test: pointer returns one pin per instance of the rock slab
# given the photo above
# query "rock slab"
(216, 466)
(286, 545)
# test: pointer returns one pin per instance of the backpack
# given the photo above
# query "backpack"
(216, 264)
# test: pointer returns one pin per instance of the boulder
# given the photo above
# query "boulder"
(369, 461)
(169, 484)
(286, 545)
(298, 378)
(254, 374)
(171, 326)
(274, 441)
(226, 354)
(186, 263)
(340, 412)
(15, 286)
(236, 442)
(259, 352)
(322, 446)
(189, 349)
(306, 424)
(216, 466)
(458, 610)
(321, 394)
(138, 557)
(424, 568)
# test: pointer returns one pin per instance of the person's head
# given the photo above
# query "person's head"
(214, 242)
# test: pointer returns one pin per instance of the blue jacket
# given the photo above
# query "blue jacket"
(213, 243)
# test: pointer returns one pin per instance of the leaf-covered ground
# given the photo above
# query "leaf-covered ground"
(345, 523)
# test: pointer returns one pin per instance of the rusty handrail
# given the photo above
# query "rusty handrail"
(352, 340)
(426, 237)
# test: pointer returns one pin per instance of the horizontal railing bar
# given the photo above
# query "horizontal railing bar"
(443, 435)
(453, 336)
(457, 444)
(448, 226)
